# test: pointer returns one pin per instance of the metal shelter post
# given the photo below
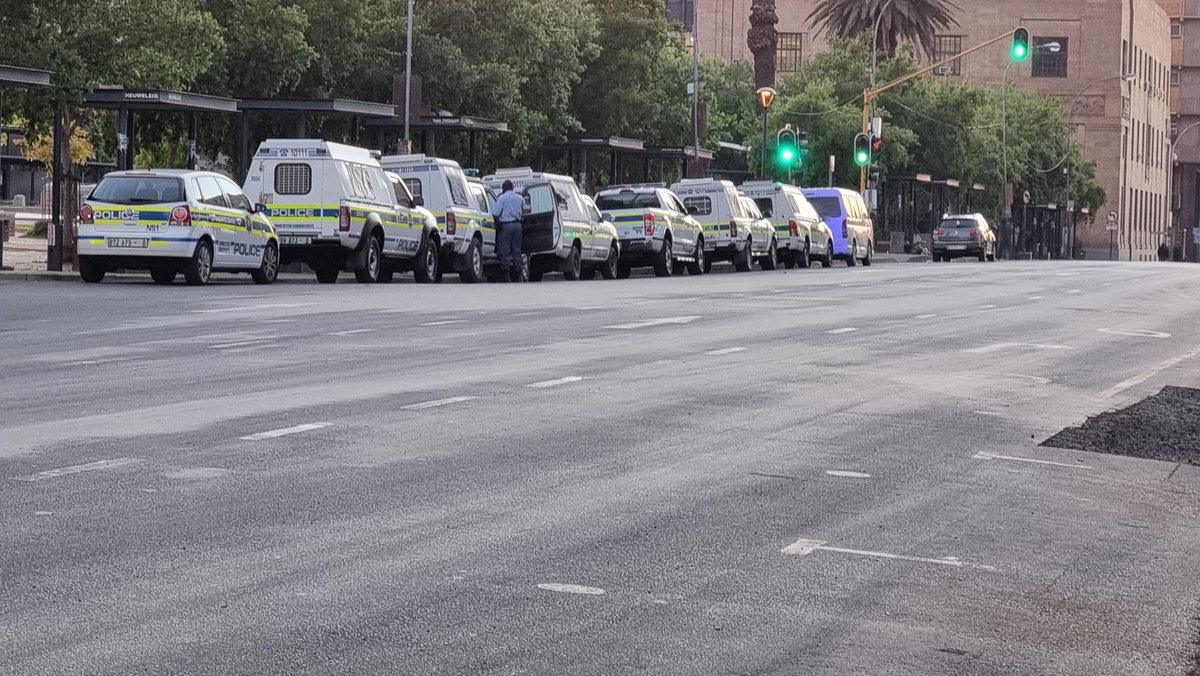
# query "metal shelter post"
(193, 127)
(54, 257)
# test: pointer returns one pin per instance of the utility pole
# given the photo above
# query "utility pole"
(408, 80)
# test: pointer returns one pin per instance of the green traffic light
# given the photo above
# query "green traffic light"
(1020, 45)
(787, 155)
(861, 158)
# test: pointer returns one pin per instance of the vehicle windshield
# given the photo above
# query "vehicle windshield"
(765, 205)
(827, 207)
(958, 223)
(627, 200)
(138, 190)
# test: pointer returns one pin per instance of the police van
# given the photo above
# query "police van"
(800, 233)
(655, 229)
(169, 221)
(730, 233)
(334, 207)
(562, 232)
(462, 213)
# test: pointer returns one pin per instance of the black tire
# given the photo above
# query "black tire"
(744, 260)
(699, 265)
(662, 262)
(802, 259)
(789, 260)
(327, 273)
(624, 270)
(368, 271)
(387, 272)
(827, 259)
(870, 255)
(199, 267)
(91, 271)
(268, 270)
(472, 272)
(983, 255)
(587, 274)
(611, 267)
(707, 265)
(851, 260)
(162, 275)
(771, 260)
(573, 266)
(536, 271)
(427, 266)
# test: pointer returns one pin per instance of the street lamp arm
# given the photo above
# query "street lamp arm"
(875, 40)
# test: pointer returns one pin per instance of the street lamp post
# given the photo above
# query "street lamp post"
(408, 79)
(875, 41)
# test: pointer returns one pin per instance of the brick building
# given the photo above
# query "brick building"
(1122, 125)
(1185, 112)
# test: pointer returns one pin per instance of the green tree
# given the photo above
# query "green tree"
(915, 21)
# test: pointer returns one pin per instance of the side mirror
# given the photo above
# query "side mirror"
(259, 208)
(693, 211)
(418, 201)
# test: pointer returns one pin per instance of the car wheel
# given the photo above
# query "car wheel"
(802, 256)
(199, 267)
(827, 259)
(428, 266)
(852, 255)
(707, 266)
(624, 270)
(611, 267)
(983, 255)
(771, 260)
(90, 271)
(573, 266)
(536, 271)
(870, 255)
(268, 270)
(367, 272)
(744, 259)
(162, 275)
(699, 265)
(662, 262)
(789, 260)
(472, 271)
(327, 273)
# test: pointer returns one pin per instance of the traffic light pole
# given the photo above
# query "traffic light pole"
(872, 93)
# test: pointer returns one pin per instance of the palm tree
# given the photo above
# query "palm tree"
(916, 21)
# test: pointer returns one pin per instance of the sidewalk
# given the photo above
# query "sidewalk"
(26, 254)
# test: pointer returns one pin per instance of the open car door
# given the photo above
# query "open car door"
(541, 222)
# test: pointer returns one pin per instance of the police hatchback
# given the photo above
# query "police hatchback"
(169, 221)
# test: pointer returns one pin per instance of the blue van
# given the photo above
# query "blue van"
(846, 215)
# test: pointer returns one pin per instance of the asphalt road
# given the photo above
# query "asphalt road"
(805, 472)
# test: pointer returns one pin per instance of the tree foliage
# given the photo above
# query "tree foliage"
(915, 21)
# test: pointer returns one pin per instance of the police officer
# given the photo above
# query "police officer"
(507, 212)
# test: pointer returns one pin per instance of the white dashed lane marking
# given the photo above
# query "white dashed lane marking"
(555, 382)
(352, 332)
(983, 455)
(804, 547)
(571, 589)
(728, 350)
(653, 322)
(848, 475)
(296, 429)
(436, 403)
(76, 469)
(445, 322)
(847, 329)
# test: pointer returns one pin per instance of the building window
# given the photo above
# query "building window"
(1047, 63)
(682, 11)
(789, 51)
(944, 47)
(1174, 129)
(1176, 29)
(1174, 77)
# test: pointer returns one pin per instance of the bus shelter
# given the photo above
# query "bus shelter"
(130, 103)
(14, 76)
(356, 113)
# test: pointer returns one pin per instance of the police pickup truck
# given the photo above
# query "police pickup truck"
(655, 229)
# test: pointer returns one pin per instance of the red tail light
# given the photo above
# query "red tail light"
(733, 228)
(344, 219)
(794, 227)
(451, 223)
(648, 221)
(974, 232)
(939, 232)
(86, 214)
(181, 216)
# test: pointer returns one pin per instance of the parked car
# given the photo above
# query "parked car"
(730, 232)
(801, 235)
(655, 229)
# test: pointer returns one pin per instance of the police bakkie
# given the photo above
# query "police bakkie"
(654, 228)
(335, 207)
(169, 221)
(802, 237)
(731, 233)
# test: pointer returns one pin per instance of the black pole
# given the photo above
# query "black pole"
(244, 145)
(54, 255)
(473, 149)
(193, 127)
(131, 152)
(301, 125)
(762, 168)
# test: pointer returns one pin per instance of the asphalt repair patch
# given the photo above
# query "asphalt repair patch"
(1164, 426)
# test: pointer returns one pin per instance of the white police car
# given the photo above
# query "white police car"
(169, 221)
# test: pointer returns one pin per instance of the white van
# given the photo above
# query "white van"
(463, 214)
(729, 232)
(334, 207)
(801, 234)
(562, 232)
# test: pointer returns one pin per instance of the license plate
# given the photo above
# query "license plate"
(295, 239)
(958, 247)
(127, 243)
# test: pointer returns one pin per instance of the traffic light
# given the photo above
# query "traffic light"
(1020, 44)
(862, 150)
(788, 151)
